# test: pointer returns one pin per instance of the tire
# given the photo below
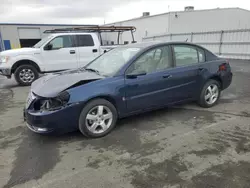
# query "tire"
(206, 102)
(23, 79)
(91, 122)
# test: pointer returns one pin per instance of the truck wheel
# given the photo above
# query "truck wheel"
(26, 74)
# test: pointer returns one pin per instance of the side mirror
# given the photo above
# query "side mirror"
(48, 47)
(135, 75)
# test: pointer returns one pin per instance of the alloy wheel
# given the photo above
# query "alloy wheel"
(211, 94)
(99, 119)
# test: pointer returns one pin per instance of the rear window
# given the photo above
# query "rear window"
(185, 55)
(84, 40)
(188, 55)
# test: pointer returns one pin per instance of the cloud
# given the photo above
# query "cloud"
(60, 10)
(94, 11)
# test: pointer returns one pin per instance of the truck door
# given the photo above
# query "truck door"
(87, 47)
(60, 54)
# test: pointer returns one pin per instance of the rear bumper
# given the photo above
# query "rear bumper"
(226, 79)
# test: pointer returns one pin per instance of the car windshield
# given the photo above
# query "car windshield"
(43, 41)
(110, 62)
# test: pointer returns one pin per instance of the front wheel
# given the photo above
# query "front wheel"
(210, 94)
(26, 74)
(97, 118)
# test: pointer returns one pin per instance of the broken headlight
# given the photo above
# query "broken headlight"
(51, 104)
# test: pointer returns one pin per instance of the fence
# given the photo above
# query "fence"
(233, 44)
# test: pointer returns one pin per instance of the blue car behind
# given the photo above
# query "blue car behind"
(124, 81)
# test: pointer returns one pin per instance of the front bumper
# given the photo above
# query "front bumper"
(5, 72)
(60, 121)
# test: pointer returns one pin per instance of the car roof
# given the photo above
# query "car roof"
(144, 45)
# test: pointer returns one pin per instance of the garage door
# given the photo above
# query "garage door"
(29, 33)
(29, 36)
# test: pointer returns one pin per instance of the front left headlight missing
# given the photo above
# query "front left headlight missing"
(52, 104)
(4, 59)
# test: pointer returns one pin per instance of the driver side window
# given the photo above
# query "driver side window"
(61, 42)
(151, 61)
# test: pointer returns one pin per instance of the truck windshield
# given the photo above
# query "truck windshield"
(110, 62)
(43, 41)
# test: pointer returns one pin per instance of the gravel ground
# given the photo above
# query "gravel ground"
(182, 147)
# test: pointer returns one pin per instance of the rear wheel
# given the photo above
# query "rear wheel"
(97, 118)
(210, 94)
(26, 74)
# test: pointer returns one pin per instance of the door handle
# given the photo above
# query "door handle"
(72, 51)
(94, 50)
(167, 76)
(200, 69)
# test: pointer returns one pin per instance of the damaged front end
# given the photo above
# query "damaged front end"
(54, 103)
(51, 104)
(43, 113)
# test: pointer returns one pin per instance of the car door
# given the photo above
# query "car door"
(185, 76)
(60, 54)
(146, 80)
(87, 49)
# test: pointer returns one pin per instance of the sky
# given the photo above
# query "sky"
(98, 11)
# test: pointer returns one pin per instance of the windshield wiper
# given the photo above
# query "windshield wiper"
(92, 70)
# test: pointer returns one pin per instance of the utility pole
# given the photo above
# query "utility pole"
(168, 19)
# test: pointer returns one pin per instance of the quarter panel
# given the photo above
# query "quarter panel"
(210, 69)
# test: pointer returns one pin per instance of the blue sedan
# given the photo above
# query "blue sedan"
(127, 80)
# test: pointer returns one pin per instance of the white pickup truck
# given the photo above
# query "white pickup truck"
(56, 52)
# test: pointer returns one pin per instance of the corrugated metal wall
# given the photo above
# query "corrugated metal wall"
(226, 43)
(206, 25)
(184, 22)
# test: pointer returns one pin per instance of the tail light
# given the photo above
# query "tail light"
(223, 67)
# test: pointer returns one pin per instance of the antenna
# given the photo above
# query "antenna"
(186, 39)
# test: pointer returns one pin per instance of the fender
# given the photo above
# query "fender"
(111, 89)
(33, 58)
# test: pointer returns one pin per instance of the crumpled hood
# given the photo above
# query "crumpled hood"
(21, 51)
(52, 84)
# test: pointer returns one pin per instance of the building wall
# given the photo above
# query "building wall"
(185, 21)
(145, 26)
(216, 19)
(9, 32)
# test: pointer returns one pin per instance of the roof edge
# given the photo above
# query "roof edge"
(30, 24)
(200, 10)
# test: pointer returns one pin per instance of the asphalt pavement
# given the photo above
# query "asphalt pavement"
(182, 147)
